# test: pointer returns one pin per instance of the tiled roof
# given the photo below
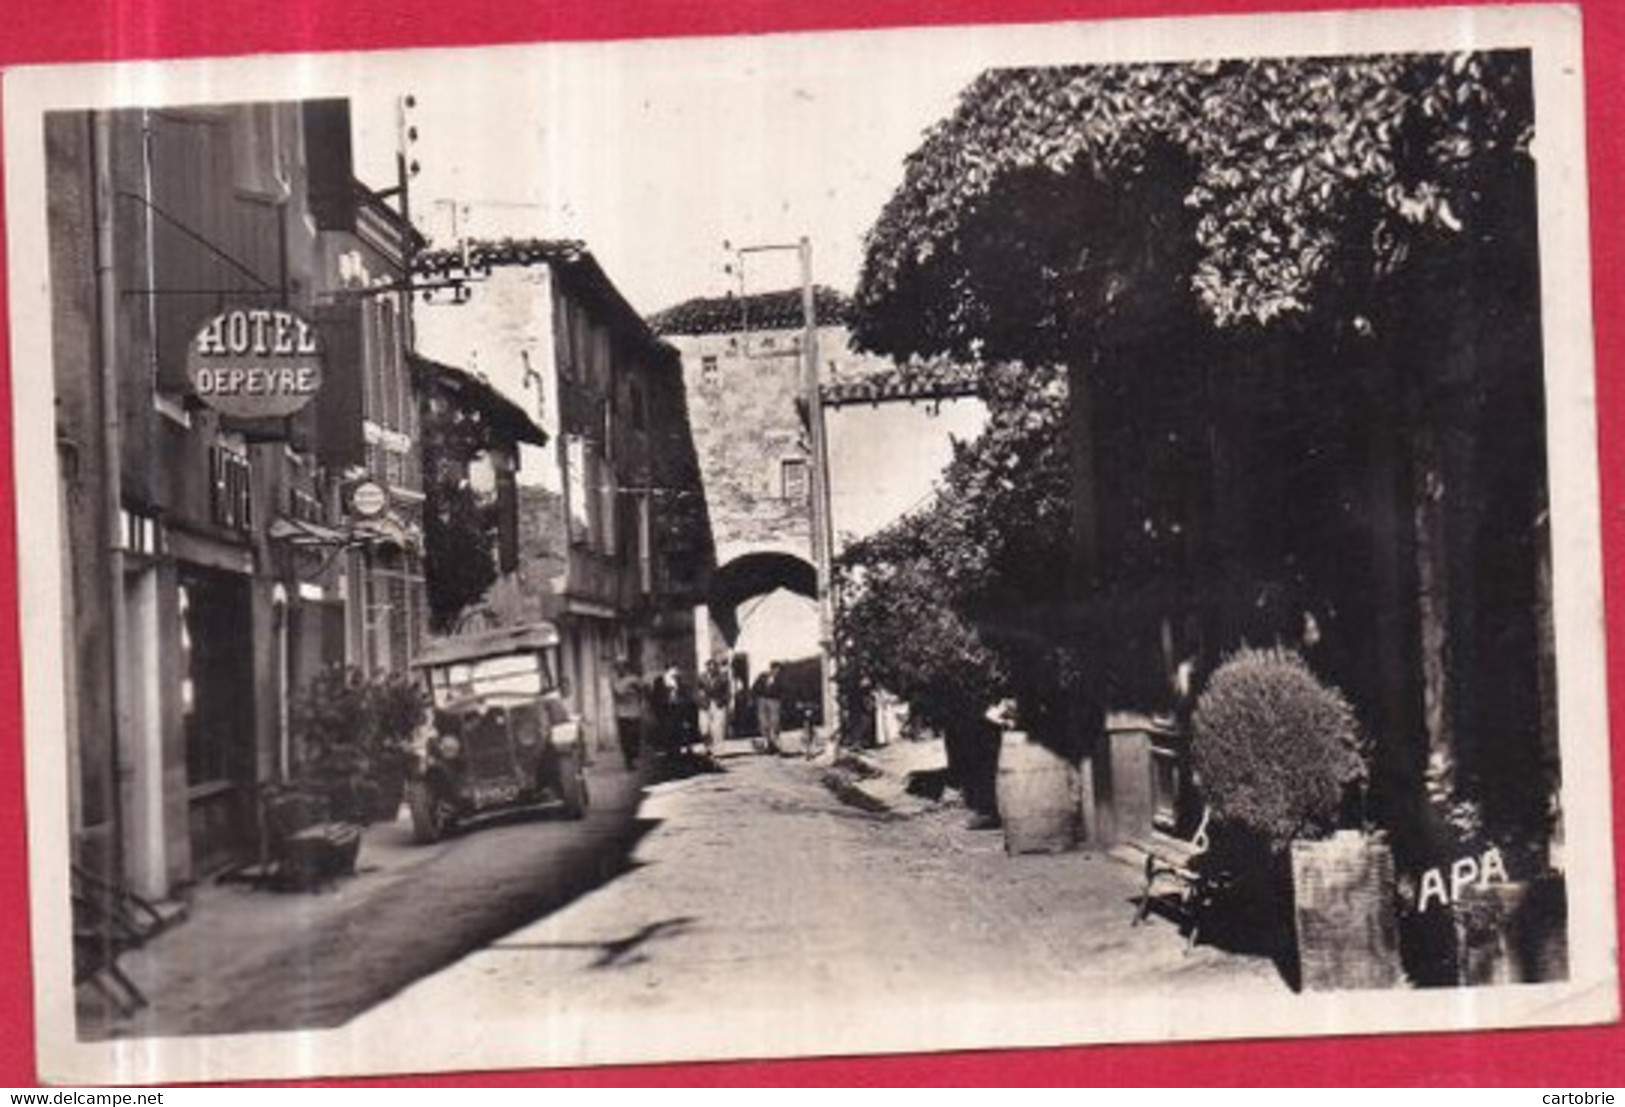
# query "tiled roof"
(477, 394)
(936, 380)
(477, 254)
(569, 258)
(763, 311)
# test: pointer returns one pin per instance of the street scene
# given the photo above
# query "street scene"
(639, 908)
(1065, 554)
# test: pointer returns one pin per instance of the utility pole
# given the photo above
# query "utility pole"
(823, 527)
(822, 516)
(406, 167)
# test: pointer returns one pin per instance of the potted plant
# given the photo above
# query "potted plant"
(353, 739)
(396, 706)
(1278, 754)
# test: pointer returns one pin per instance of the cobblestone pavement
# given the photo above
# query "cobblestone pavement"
(762, 916)
(251, 959)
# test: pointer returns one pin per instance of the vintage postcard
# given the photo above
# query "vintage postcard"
(809, 544)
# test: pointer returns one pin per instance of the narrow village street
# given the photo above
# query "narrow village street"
(758, 901)
(1168, 440)
(252, 959)
(755, 887)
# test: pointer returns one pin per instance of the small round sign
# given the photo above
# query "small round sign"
(369, 499)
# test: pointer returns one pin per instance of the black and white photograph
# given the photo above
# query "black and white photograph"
(809, 544)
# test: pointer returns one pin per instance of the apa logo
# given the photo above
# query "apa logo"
(1465, 872)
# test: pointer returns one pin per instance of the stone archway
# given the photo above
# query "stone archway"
(758, 574)
(763, 605)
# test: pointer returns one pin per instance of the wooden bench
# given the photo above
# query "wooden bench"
(305, 845)
(1171, 864)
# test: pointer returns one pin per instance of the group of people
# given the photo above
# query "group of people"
(677, 714)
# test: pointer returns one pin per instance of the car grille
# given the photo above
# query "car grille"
(486, 751)
(526, 724)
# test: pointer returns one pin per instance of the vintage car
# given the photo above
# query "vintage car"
(499, 733)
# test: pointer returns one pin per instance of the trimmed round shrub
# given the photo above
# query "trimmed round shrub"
(1275, 747)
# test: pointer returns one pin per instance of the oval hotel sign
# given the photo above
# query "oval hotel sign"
(255, 363)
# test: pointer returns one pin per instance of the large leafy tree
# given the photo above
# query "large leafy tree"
(1272, 242)
(1045, 198)
(942, 608)
(459, 527)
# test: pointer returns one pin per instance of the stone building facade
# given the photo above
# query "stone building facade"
(889, 441)
(744, 374)
(201, 582)
(614, 540)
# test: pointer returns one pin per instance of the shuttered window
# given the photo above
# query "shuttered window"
(212, 248)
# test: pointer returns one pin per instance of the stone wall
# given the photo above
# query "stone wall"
(742, 391)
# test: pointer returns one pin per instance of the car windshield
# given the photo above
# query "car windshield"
(524, 674)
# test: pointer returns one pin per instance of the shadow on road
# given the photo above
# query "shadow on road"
(475, 914)
(1244, 929)
(616, 952)
(684, 766)
(251, 960)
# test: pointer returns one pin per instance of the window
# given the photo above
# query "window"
(230, 492)
(645, 546)
(708, 370)
(575, 479)
(393, 395)
(608, 489)
(793, 478)
(386, 395)
(372, 385)
(601, 357)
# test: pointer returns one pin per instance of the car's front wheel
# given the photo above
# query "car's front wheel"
(431, 818)
(572, 783)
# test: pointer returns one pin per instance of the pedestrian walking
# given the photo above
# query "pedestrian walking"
(715, 700)
(667, 700)
(767, 692)
(809, 733)
(629, 711)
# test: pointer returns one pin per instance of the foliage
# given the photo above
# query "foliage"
(1225, 256)
(459, 530)
(953, 607)
(459, 553)
(900, 630)
(396, 704)
(1274, 747)
(1064, 197)
(353, 732)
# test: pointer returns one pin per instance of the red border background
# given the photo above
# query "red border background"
(96, 30)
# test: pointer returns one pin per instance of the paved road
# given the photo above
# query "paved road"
(251, 959)
(763, 917)
(743, 913)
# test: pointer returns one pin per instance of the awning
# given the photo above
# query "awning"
(487, 643)
(298, 532)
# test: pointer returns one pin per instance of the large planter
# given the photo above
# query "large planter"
(1037, 792)
(1343, 910)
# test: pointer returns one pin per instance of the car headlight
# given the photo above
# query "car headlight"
(449, 747)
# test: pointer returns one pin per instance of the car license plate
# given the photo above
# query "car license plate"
(489, 795)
